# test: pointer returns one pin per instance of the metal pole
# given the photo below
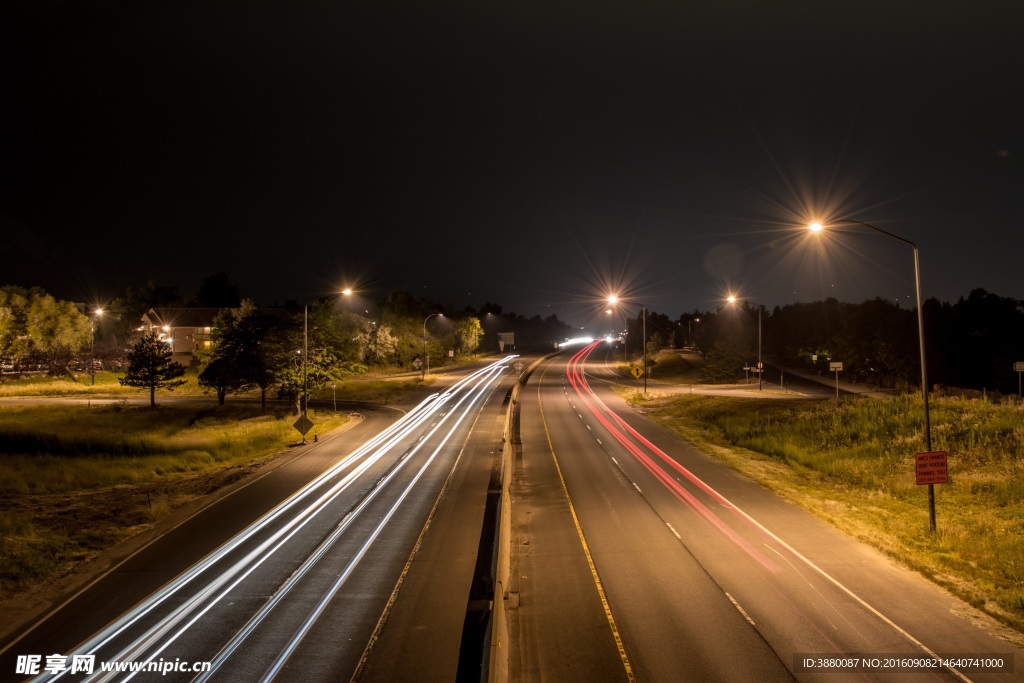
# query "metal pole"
(924, 364)
(426, 356)
(305, 352)
(92, 350)
(760, 366)
(644, 340)
(924, 384)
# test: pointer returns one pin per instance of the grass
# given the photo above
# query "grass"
(75, 480)
(79, 385)
(852, 463)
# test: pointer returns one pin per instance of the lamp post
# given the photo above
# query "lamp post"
(760, 366)
(305, 346)
(689, 330)
(92, 344)
(426, 356)
(817, 227)
(613, 300)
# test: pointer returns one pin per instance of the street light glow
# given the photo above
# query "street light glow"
(817, 227)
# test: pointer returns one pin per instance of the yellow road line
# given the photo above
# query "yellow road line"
(586, 548)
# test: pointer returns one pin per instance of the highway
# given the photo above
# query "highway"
(307, 591)
(641, 558)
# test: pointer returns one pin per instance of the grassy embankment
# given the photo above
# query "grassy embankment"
(372, 388)
(851, 462)
(75, 480)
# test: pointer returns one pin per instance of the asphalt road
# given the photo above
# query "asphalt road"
(302, 592)
(640, 558)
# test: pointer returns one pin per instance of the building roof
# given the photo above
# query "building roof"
(180, 317)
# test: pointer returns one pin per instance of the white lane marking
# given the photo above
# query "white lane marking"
(742, 611)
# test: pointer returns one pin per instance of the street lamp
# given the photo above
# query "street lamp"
(426, 356)
(689, 330)
(760, 367)
(92, 345)
(305, 346)
(613, 300)
(817, 227)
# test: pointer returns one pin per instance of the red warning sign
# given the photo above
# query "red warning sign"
(930, 468)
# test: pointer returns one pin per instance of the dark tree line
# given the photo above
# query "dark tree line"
(972, 343)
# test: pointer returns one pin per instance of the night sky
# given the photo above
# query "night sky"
(538, 155)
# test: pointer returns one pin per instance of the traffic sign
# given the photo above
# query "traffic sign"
(835, 366)
(637, 371)
(931, 468)
(303, 425)
(1018, 366)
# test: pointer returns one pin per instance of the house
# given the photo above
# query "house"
(185, 329)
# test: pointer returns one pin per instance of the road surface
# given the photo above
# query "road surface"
(640, 558)
(303, 592)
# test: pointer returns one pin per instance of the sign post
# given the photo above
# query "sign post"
(637, 372)
(1019, 367)
(836, 367)
(302, 426)
(931, 469)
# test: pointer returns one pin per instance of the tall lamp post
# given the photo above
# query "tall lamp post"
(760, 366)
(817, 227)
(426, 356)
(305, 346)
(92, 344)
(613, 300)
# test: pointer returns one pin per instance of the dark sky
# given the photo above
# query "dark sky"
(532, 154)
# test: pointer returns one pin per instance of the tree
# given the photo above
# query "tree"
(221, 376)
(293, 378)
(34, 323)
(378, 344)
(150, 366)
(257, 346)
(468, 333)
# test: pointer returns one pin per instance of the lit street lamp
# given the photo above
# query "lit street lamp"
(817, 227)
(305, 346)
(92, 344)
(613, 300)
(760, 366)
(426, 356)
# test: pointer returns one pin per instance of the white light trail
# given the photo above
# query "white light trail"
(301, 511)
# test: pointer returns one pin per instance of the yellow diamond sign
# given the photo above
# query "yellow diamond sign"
(303, 425)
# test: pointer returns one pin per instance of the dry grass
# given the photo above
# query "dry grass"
(75, 480)
(852, 463)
